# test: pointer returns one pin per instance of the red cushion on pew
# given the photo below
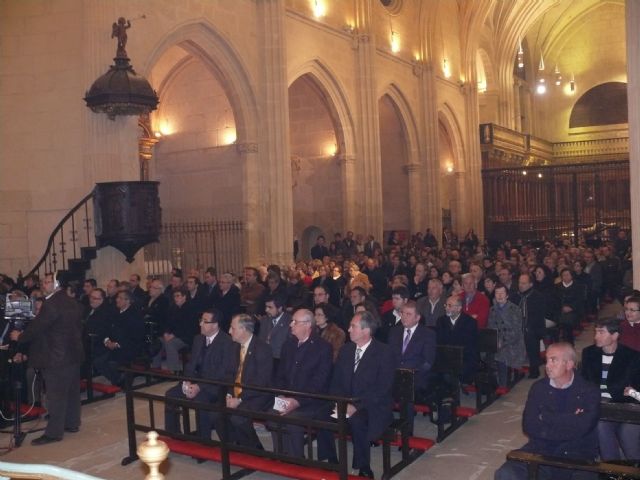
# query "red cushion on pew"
(415, 443)
(465, 412)
(502, 391)
(470, 388)
(245, 460)
(24, 408)
(416, 408)
(100, 387)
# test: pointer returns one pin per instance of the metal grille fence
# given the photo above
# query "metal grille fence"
(197, 245)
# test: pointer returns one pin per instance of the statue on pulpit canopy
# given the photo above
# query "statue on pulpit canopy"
(119, 30)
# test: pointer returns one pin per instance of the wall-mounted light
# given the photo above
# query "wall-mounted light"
(449, 168)
(541, 87)
(229, 135)
(395, 41)
(331, 149)
(558, 76)
(524, 172)
(446, 68)
(572, 84)
(157, 134)
(165, 128)
(319, 8)
(539, 175)
(520, 56)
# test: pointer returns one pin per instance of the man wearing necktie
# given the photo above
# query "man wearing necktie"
(254, 368)
(213, 357)
(364, 370)
(414, 347)
(274, 327)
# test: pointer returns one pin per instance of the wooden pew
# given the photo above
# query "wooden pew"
(611, 412)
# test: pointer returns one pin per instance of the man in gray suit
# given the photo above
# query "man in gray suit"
(57, 333)
(431, 307)
(274, 326)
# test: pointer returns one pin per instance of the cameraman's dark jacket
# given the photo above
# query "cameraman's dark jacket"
(55, 333)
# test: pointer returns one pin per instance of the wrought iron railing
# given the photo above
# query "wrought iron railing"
(71, 235)
(197, 245)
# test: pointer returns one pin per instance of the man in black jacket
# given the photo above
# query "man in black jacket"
(414, 347)
(57, 331)
(319, 250)
(305, 366)
(126, 339)
(533, 305)
(214, 356)
(613, 367)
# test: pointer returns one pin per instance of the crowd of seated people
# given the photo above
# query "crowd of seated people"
(363, 309)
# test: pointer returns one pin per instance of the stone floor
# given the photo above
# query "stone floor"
(473, 452)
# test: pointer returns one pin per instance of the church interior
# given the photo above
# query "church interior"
(282, 120)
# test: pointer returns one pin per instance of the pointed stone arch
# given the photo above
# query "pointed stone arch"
(338, 105)
(449, 120)
(204, 42)
(407, 120)
(327, 83)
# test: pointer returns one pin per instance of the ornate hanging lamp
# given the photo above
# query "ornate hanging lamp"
(121, 91)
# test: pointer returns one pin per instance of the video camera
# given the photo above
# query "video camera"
(18, 311)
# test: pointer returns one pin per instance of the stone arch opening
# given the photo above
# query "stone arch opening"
(604, 104)
(451, 168)
(316, 143)
(308, 239)
(394, 157)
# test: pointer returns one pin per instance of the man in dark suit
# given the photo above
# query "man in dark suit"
(210, 285)
(274, 327)
(305, 366)
(125, 342)
(319, 250)
(140, 297)
(364, 370)
(227, 300)
(613, 367)
(57, 330)
(431, 306)
(96, 327)
(457, 328)
(413, 347)
(214, 356)
(399, 298)
(533, 306)
(254, 368)
(371, 246)
(157, 308)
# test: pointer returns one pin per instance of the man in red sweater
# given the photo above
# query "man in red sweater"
(630, 327)
(474, 303)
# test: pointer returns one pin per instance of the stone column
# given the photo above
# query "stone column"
(277, 222)
(633, 94)
(368, 126)
(472, 212)
(430, 139)
(348, 171)
(255, 213)
(416, 200)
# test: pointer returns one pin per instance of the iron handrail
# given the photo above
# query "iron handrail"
(57, 230)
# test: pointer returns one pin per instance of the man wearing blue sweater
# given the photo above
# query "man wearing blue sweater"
(560, 418)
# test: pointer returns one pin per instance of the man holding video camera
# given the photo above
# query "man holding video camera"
(57, 333)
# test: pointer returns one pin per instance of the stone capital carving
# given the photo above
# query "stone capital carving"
(248, 147)
(417, 67)
(411, 168)
(345, 159)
